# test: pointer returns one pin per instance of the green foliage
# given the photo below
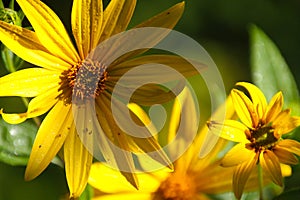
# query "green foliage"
(16, 142)
(270, 71)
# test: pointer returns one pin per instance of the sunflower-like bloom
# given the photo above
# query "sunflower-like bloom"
(192, 179)
(258, 134)
(54, 84)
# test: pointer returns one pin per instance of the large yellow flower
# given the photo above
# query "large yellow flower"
(258, 136)
(192, 179)
(53, 83)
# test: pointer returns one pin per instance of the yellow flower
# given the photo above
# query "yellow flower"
(192, 179)
(258, 136)
(53, 83)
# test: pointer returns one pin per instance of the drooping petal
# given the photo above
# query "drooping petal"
(270, 164)
(230, 130)
(78, 161)
(27, 46)
(142, 139)
(237, 155)
(117, 16)
(244, 108)
(49, 29)
(257, 97)
(50, 138)
(36, 107)
(109, 180)
(285, 156)
(292, 146)
(87, 17)
(273, 108)
(241, 175)
(28, 82)
(121, 154)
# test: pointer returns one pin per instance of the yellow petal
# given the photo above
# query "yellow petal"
(50, 138)
(285, 156)
(49, 29)
(257, 97)
(121, 154)
(87, 16)
(273, 108)
(153, 67)
(292, 146)
(27, 46)
(109, 180)
(244, 108)
(241, 175)
(127, 196)
(230, 130)
(36, 107)
(285, 123)
(142, 115)
(208, 139)
(166, 19)
(28, 82)
(117, 16)
(78, 161)
(237, 155)
(270, 164)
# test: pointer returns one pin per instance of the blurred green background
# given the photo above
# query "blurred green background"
(221, 27)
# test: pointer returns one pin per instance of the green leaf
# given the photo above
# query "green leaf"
(270, 71)
(16, 142)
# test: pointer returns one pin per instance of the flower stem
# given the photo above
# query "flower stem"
(260, 181)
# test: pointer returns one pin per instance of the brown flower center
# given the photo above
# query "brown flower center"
(176, 187)
(83, 81)
(261, 138)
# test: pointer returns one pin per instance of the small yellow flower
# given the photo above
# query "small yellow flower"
(52, 84)
(192, 179)
(258, 136)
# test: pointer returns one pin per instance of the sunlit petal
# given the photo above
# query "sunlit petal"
(285, 123)
(87, 17)
(36, 107)
(257, 97)
(49, 29)
(28, 82)
(237, 155)
(166, 19)
(273, 108)
(50, 138)
(241, 175)
(127, 196)
(110, 177)
(117, 16)
(78, 161)
(270, 164)
(244, 108)
(230, 130)
(27, 46)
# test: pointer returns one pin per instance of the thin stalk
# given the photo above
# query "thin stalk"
(260, 181)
